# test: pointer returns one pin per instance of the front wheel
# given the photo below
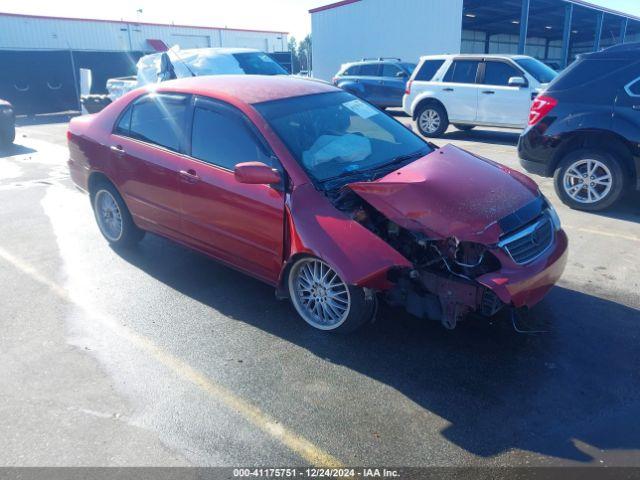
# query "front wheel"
(589, 180)
(113, 217)
(432, 120)
(325, 301)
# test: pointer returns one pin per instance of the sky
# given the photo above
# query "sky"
(283, 15)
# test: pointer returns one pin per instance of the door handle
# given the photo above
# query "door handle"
(489, 92)
(447, 89)
(190, 175)
(117, 149)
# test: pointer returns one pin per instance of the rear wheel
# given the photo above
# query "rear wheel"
(7, 136)
(464, 128)
(589, 180)
(113, 217)
(325, 301)
(432, 120)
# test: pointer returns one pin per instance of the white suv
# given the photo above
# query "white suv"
(470, 90)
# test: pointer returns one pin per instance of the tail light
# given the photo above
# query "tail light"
(69, 135)
(540, 108)
(408, 89)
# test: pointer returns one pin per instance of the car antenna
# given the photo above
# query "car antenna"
(184, 63)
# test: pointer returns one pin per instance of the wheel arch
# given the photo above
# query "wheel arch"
(594, 139)
(423, 102)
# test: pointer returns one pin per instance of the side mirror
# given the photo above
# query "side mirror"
(256, 173)
(518, 82)
(402, 75)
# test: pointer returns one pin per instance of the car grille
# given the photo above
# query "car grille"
(529, 243)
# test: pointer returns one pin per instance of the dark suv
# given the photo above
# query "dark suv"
(584, 129)
(381, 81)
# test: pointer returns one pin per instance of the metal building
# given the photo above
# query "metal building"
(40, 56)
(554, 31)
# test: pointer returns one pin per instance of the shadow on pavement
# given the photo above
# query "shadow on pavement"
(46, 119)
(499, 390)
(15, 149)
(627, 209)
(493, 137)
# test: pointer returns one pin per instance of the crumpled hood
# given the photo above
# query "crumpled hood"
(450, 193)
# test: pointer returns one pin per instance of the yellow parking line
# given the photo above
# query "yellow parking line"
(605, 234)
(252, 414)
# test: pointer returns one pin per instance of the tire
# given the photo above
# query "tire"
(113, 217)
(7, 137)
(432, 120)
(604, 168)
(310, 280)
(464, 128)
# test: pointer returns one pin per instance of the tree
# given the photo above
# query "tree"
(295, 61)
(304, 54)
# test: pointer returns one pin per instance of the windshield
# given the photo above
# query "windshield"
(334, 135)
(537, 69)
(258, 63)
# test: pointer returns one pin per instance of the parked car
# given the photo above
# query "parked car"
(380, 81)
(177, 63)
(471, 90)
(7, 123)
(584, 130)
(319, 194)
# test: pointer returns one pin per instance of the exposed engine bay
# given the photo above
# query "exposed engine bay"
(442, 285)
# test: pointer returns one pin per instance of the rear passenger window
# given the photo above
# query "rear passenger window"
(124, 125)
(428, 70)
(159, 119)
(369, 70)
(462, 71)
(499, 73)
(223, 139)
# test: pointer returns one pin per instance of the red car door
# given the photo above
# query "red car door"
(145, 156)
(238, 223)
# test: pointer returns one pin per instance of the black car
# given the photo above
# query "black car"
(584, 129)
(7, 124)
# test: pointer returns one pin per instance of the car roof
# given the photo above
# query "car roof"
(248, 89)
(474, 56)
(630, 51)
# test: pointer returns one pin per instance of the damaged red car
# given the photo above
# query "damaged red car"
(316, 192)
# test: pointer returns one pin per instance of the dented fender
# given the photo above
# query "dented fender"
(315, 227)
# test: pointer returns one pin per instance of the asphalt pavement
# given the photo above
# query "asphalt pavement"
(160, 356)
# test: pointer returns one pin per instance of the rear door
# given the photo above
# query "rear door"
(146, 148)
(238, 223)
(393, 85)
(626, 120)
(498, 103)
(371, 82)
(459, 90)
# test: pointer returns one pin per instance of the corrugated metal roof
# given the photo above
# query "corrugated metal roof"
(582, 3)
(45, 17)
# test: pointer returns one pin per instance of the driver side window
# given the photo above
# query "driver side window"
(224, 140)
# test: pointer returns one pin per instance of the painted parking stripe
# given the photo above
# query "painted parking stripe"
(632, 238)
(252, 414)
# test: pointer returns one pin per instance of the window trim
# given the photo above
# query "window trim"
(222, 107)
(627, 88)
(181, 147)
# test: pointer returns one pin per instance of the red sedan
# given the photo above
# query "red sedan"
(321, 195)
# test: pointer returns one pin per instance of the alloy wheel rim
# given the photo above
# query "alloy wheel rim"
(587, 181)
(320, 295)
(429, 121)
(108, 215)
